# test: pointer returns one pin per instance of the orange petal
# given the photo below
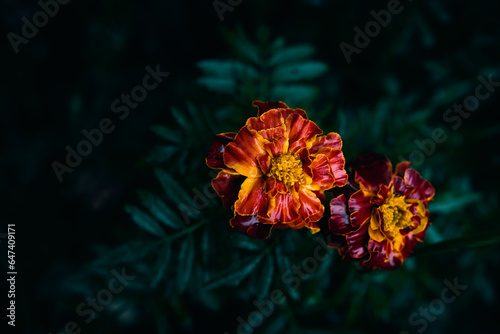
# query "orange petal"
(332, 140)
(297, 127)
(311, 208)
(283, 208)
(252, 199)
(241, 155)
(265, 106)
(322, 177)
(215, 155)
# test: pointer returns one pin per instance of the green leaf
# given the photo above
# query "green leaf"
(292, 53)
(160, 210)
(181, 118)
(266, 278)
(227, 69)
(161, 264)
(166, 133)
(160, 154)
(219, 85)
(186, 259)
(235, 273)
(243, 241)
(172, 188)
(294, 94)
(300, 71)
(476, 240)
(144, 220)
(285, 267)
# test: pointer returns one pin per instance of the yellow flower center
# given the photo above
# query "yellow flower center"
(395, 214)
(286, 168)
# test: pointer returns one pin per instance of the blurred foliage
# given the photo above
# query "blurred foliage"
(193, 271)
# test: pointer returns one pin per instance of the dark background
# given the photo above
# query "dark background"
(393, 93)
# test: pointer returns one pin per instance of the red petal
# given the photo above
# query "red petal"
(425, 191)
(322, 177)
(242, 154)
(264, 162)
(339, 221)
(311, 208)
(252, 199)
(381, 257)
(265, 106)
(361, 209)
(214, 158)
(284, 209)
(337, 165)
(332, 140)
(357, 242)
(401, 168)
(298, 127)
(251, 225)
(227, 187)
(372, 170)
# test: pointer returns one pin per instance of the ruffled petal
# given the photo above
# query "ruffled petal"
(251, 225)
(401, 168)
(332, 140)
(241, 155)
(372, 170)
(356, 242)
(360, 208)
(423, 188)
(322, 177)
(252, 199)
(298, 127)
(337, 165)
(283, 208)
(339, 222)
(215, 155)
(311, 208)
(265, 106)
(227, 187)
(381, 256)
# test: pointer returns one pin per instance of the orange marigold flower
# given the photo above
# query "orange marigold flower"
(379, 216)
(275, 170)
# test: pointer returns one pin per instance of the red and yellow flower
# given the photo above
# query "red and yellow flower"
(379, 216)
(275, 170)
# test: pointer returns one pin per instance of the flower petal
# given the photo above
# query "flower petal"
(339, 221)
(283, 208)
(265, 106)
(332, 140)
(251, 225)
(241, 155)
(401, 168)
(372, 170)
(311, 208)
(423, 188)
(298, 127)
(360, 208)
(252, 199)
(322, 178)
(337, 165)
(215, 155)
(356, 242)
(227, 187)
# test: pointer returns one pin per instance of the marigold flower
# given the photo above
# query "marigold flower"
(275, 170)
(379, 216)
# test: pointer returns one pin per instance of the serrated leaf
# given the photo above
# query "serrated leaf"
(243, 241)
(166, 133)
(144, 220)
(294, 93)
(161, 265)
(266, 278)
(172, 188)
(285, 267)
(186, 259)
(292, 53)
(220, 85)
(235, 273)
(299, 71)
(160, 210)
(181, 118)
(227, 69)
